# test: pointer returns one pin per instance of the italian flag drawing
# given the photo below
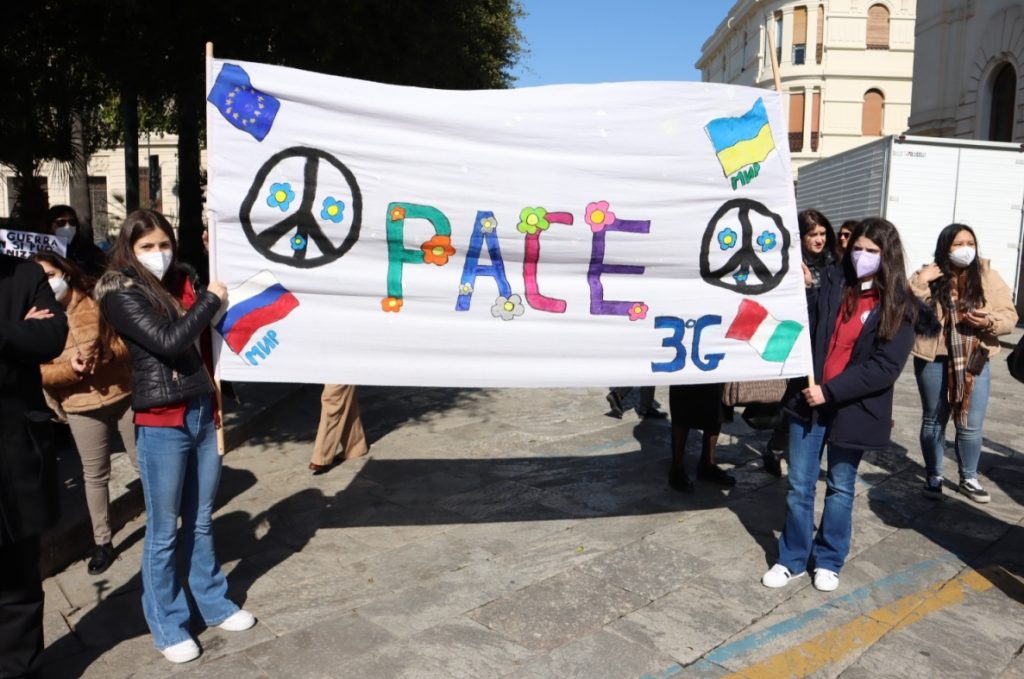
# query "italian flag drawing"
(771, 338)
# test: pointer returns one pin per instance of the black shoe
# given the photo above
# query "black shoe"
(653, 413)
(932, 491)
(101, 559)
(615, 403)
(678, 479)
(972, 489)
(715, 474)
(772, 463)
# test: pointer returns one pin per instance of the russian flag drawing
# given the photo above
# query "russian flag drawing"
(255, 304)
(771, 338)
(741, 141)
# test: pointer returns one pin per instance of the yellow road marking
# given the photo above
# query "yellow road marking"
(833, 645)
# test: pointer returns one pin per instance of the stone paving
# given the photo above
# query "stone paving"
(523, 534)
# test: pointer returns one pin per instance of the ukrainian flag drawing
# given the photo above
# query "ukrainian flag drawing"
(742, 141)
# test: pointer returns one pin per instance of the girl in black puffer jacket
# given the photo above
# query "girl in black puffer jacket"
(163, 315)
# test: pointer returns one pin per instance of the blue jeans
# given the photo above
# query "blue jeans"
(798, 544)
(180, 470)
(932, 381)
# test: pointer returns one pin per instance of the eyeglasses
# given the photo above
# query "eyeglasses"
(65, 221)
(844, 235)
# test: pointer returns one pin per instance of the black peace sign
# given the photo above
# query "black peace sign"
(302, 221)
(745, 257)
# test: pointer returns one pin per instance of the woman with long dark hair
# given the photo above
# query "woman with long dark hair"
(818, 251)
(91, 380)
(861, 328)
(974, 306)
(817, 245)
(162, 312)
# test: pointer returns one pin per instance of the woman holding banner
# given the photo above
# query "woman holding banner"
(163, 314)
(91, 380)
(861, 326)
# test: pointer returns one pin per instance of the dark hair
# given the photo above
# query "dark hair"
(807, 221)
(894, 299)
(122, 257)
(55, 211)
(942, 287)
(75, 277)
(849, 225)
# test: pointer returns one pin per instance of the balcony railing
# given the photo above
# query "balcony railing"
(814, 141)
(796, 142)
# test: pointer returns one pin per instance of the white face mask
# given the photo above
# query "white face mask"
(60, 288)
(962, 256)
(66, 232)
(156, 262)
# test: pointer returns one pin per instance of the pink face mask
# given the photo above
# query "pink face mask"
(866, 263)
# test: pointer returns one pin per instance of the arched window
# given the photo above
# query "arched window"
(873, 114)
(878, 27)
(1000, 123)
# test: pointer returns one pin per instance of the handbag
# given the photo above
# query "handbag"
(757, 391)
(1015, 361)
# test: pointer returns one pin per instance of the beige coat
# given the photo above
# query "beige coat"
(998, 304)
(110, 381)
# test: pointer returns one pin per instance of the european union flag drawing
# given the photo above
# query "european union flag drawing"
(241, 104)
(742, 141)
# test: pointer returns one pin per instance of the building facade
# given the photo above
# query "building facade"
(969, 77)
(158, 182)
(845, 66)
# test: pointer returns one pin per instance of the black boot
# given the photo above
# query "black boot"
(101, 559)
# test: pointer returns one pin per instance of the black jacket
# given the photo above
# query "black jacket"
(28, 481)
(166, 366)
(858, 401)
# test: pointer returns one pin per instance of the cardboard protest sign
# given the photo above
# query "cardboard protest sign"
(591, 235)
(24, 244)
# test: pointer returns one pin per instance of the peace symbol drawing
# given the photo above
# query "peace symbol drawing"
(313, 221)
(745, 248)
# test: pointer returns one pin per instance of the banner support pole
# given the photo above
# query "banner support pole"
(211, 229)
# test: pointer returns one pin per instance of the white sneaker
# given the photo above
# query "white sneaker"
(825, 580)
(778, 576)
(182, 652)
(240, 621)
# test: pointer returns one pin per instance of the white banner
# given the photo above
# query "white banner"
(24, 244)
(572, 235)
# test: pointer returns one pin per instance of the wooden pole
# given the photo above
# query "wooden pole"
(211, 226)
(778, 88)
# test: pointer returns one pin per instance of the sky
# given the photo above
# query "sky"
(589, 41)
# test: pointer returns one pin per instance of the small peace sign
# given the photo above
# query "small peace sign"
(302, 226)
(735, 274)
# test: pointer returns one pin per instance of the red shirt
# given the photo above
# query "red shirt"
(173, 415)
(846, 333)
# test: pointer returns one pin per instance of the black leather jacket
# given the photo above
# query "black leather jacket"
(166, 366)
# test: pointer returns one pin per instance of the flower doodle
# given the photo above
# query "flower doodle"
(767, 241)
(727, 239)
(465, 289)
(741, 276)
(397, 214)
(333, 209)
(507, 308)
(391, 304)
(532, 219)
(281, 195)
(437, 250)
(637, 311)
(298, 242)
(599, 216)
(488, 224)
